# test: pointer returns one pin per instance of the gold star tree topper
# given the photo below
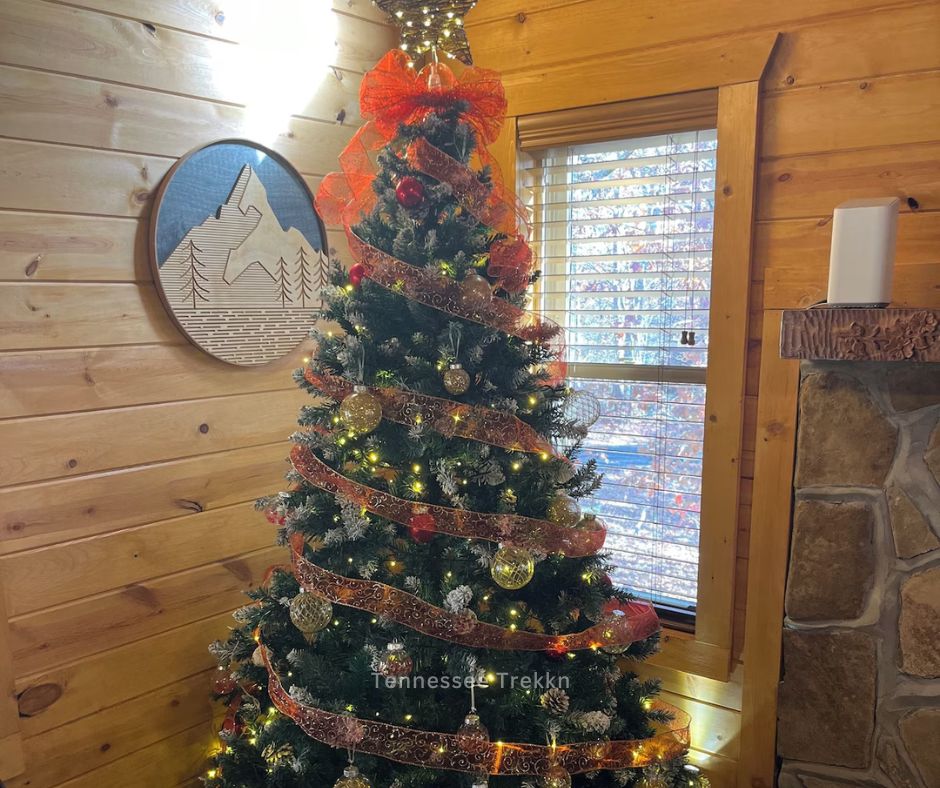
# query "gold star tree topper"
(426, 26)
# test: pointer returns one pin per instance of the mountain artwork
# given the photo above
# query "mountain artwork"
(240, 253)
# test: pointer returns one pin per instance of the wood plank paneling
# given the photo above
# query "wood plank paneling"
(80, 746)
(726, 694)
(51, 381)
(51, 247)
(531, 39)
(804, 243)
(49, 512)
(133, 669)
(122, 560)
(53, 37)
(74, 444)
(801, 186)
(829, 50)
(714, 729)
(873, 112)
(57, 108)
(40, 177)
(11, 746)
(51, 315)
(53, 575)
(57, 635)
(208, 18)
(796, 288)
(167, 763)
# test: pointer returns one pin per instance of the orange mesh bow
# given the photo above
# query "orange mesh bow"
(394, 93)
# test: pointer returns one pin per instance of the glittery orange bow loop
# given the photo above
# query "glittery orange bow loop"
(394, 93)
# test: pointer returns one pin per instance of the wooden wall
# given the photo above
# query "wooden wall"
(851, 108)
(130, 458)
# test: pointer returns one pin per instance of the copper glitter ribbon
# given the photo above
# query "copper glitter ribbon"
(445, 416)
(462, 754)
(491, 204)
(539, 535)
(437, 291)
(623, 624)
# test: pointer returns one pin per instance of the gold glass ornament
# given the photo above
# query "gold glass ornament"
(513, 567)
(310, 613)
(564, 510)
(352, 779)
(361, 411)
(456, 380)
(395, 662)
(556, 777)
(473, 735)
(475, 291)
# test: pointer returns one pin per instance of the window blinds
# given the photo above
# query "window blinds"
(624, 233)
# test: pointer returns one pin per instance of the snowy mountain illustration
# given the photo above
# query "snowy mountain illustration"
(243, 258)
(239, 284)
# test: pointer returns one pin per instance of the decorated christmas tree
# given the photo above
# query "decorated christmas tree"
(447, 618)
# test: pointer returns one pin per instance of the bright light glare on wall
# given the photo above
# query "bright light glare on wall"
(283, 58)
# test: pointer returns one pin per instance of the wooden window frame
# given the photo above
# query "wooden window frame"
(734, 111)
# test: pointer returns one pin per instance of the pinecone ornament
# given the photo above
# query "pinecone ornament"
(556, 701)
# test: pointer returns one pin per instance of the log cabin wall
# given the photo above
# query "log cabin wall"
(850, 108)
(129, 457)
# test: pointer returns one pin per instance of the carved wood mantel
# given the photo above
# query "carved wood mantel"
(846, 334)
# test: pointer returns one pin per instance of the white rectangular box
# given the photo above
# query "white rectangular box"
(861, 261)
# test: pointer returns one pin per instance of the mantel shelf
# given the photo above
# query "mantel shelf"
(862, 334)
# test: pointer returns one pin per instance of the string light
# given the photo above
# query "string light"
(440, 25)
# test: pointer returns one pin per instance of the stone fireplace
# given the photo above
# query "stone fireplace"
(859, 701)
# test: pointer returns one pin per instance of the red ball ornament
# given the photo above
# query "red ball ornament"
(421, 528)
(356, 274)
(233, 726)
(273, 517)
(409, 192)
(224, 684)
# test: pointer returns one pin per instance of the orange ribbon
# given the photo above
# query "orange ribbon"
(454, 752)
(393, 93)
(449, 418)
(539, 535)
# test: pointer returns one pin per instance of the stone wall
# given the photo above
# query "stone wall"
(860, 696)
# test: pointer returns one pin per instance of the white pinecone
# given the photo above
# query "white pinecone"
(592, 721)
(556, 701)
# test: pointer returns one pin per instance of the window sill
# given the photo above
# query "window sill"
(681, 651)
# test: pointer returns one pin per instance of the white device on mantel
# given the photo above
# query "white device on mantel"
(861, 262)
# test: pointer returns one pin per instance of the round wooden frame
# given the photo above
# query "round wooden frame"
(156, 206)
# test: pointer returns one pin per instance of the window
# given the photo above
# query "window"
(624, 232)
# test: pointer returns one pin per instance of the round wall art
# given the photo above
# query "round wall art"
(239, 252)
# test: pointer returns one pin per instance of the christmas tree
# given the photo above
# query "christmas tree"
(447, 618)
